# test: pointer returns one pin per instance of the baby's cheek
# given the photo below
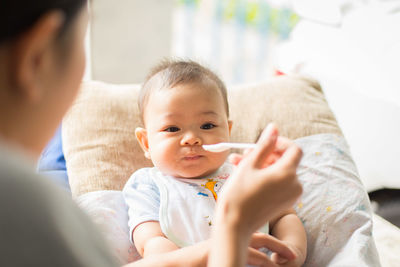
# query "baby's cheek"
(161, 156)
(220, 158)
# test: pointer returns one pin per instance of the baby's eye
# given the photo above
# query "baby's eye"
(207, 126)
(171, 129)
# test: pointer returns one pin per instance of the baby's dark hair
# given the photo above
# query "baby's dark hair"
(170, 73)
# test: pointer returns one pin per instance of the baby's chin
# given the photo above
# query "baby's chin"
(192, 174)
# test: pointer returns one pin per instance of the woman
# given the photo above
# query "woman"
(41, 65)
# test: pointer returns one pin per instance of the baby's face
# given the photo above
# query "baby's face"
(178, 122)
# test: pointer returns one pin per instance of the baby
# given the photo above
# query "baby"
(184, 106)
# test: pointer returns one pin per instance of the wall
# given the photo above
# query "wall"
(127, 37)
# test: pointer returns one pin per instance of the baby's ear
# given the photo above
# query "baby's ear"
(141, 136)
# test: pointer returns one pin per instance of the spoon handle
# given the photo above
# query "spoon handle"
(240, 145)
(225, 146)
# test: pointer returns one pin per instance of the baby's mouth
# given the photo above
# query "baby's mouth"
(193, 157)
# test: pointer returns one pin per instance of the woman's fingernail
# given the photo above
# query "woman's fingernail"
(282, 260)
(269, 131)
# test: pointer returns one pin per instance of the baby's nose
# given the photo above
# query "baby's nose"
(191, 139)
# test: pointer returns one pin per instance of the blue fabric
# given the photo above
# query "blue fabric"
(52, 161)
(52, 157)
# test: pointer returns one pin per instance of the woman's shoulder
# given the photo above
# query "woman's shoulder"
(16, 170)
(50, 211)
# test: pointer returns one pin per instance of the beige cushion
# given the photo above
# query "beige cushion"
(98, 136)
(295, 104)
(98, 132)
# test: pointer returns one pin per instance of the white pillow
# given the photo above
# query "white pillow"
(334, 208)
(108, 210)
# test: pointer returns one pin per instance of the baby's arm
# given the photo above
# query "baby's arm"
(150, 240)
(289, 229)
(142, 198)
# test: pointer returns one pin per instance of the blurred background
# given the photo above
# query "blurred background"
(352, 47)
(236, 38)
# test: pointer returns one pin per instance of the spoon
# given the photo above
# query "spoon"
(225, 146)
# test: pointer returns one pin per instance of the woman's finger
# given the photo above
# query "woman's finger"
(283, 175)
(282, 143)
(260, 240)
(275, 257)
(247, 151)
(289, 160)
(258, 258)
(265, 146)
(235, 158)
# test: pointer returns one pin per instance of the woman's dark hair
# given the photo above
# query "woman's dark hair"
(17, 16)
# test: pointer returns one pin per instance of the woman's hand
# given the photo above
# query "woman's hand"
(282, 143)
(283, 261)
(281, 250)
(253, 195)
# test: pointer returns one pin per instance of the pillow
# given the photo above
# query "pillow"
(334, 207)
(296, 104)
(98, 137)
(101, 150)
(108, 211)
